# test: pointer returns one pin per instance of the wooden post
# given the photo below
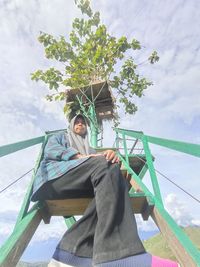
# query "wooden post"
(183, 248)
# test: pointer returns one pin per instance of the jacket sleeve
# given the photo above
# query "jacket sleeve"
(55, 150)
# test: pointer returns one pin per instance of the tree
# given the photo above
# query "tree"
(92, 54)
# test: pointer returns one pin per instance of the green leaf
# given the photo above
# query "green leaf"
(84, 6)
(135, 44)
(153, 57)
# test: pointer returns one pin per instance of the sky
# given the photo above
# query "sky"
(170, 108)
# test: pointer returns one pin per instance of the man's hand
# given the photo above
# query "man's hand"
(110, 155)
(81, 156)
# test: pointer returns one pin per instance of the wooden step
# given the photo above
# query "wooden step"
(136, 163)
(71, 207)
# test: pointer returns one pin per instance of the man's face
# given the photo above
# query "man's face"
(80, 126)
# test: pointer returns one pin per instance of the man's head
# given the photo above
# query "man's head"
(80, 125)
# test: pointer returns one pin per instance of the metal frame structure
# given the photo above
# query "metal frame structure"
(183, 248)
(29, 218)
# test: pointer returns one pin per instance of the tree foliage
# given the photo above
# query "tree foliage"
(91, 54)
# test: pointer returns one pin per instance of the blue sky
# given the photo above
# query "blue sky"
(169, 109)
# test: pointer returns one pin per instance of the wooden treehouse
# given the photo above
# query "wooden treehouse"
(97, 104)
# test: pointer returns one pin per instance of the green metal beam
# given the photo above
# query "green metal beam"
(143, 171)
(125, 148)
(188, 148)
(70, 221)
(49, 133)
(25, 204)
(11, 148)
(14, 246)
(140, 175)
(181, 236)
(135, 177)
(94, 129)
(152, 172)
(26, 201)
(117, 141)
(90, 113)
(130, 133)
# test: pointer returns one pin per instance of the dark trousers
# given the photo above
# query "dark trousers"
(107, 230)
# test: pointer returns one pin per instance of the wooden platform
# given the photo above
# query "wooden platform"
(100, 93)
(70, 207)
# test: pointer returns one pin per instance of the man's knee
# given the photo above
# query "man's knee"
(100, 161)
(115, 167)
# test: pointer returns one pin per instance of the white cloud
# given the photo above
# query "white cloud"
(196, 222)
(179, 211)
(55, 229)
(44, 232)
(145, 225)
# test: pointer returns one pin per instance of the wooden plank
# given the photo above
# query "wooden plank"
(139, 203)
(96, 87)
(68, 207)
(184, 258)
(134, 184)
(148, 208)
(15, 245)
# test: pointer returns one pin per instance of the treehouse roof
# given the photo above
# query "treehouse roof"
(100, 94)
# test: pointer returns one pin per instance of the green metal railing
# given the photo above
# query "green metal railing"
(11, 148)
(188, 148)
(25, 214)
